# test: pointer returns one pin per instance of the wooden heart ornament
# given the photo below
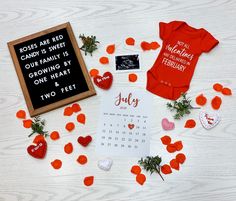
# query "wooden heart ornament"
(209, 120)
(39, 150)
(84, 141)
(105, 81)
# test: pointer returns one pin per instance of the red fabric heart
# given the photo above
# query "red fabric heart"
(39, 150)
(84, 141)
(105, 81)
(131, 126)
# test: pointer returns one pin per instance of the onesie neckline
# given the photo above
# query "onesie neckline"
(186, 28)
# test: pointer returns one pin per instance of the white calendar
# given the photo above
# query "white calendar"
(124, 123)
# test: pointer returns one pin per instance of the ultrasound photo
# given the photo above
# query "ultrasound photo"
(127, 62)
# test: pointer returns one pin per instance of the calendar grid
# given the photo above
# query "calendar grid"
(123, 131)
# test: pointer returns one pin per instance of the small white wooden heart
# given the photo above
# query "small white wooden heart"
(105, 164)
(209, 120)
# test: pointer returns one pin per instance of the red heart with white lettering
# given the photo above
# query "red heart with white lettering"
(39, 150)
(131, 126)
(105, 81)
(84, 141)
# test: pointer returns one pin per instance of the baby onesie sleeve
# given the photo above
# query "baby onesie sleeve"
(208, 42)
(165, 29)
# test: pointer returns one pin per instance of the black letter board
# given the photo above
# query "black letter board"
(50, 69)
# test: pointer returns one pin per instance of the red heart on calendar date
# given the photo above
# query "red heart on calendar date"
(84, 141)
(39, 150)
(131, 126)
(105, 81)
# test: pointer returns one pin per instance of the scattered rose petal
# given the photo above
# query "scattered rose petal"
(82, 159)
(166, 140)
(88, 181)
(216, 102)
(190, 123)
(130, 41)
(56, 164)
(94, 72)
(180, 158)
(81, 118)
(178, 145)
(104, 60)
(201, 100)
(27, 123)
(217, 87)
(68, 148)
(133, 77)
(21, 114)
(174, 164)
(54, 135)
(70, 126)
(154, 45)
(76, 107)
(171, 148)
(135, 169)
(166, 169)
(141, 178)
(38, 138)
(226, 91)
(68, 111)
(110, 49)
(145, 46)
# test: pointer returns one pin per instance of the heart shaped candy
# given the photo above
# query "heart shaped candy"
(84, 141)
(39, 150)
(105, 164)
(131, 126)
(209, 120)
(167, 125)
(105, 81)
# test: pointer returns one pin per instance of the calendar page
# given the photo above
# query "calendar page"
(124, 123)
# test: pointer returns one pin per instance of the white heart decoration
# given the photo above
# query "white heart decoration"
(105, 164)
(209, 120)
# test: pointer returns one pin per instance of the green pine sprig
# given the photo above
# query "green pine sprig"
(89, 44)
(182, 106)
(38, 127)
(151, 164)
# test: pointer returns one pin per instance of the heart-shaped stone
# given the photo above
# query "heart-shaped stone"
(167, 125)
(209, 120)
(84, 141)
(105, 164)
(131, 126)
(39, 150)
(105, 81)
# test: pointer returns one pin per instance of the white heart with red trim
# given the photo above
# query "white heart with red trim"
(209, 120)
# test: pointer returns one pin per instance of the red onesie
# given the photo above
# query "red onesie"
(173, 69)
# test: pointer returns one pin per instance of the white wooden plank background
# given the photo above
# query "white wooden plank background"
(210, 170)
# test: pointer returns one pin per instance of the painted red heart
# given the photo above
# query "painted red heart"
(84, 141)
(105, 81)
(39, 150)
(131, 126)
